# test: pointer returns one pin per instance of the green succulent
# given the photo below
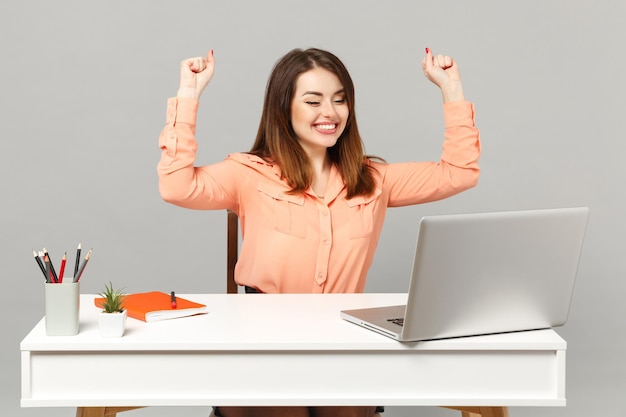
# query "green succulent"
(113, 299)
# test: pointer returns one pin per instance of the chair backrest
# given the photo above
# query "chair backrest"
(232, 249)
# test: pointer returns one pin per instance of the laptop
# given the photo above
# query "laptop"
(485, 273)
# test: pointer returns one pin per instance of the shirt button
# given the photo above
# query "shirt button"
(324, 213)
(326, 241)
(320, 274)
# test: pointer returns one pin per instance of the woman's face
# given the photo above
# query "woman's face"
(319, 110)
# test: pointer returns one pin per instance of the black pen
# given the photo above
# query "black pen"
(173, 295)
(40, 263)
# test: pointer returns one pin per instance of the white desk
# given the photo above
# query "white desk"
(285, 350)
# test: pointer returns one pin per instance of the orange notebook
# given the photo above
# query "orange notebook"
(156, 305)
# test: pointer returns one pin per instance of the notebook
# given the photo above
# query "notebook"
(156, 306)
(484, 273)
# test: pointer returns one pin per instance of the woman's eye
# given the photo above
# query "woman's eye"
(340, 101)
(313, 103)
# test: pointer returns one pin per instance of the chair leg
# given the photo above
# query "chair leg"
(482, 411)
(101, 411)
(90, 411)
(494, 411)
(470, 413)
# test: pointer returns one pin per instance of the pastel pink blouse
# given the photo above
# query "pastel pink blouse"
(299, 243)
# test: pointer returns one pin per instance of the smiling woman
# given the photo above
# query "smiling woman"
(310, 202)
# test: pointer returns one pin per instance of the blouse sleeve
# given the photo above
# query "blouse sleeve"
(457, 170)
(180, 182)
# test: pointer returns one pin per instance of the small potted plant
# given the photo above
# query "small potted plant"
(112, 320)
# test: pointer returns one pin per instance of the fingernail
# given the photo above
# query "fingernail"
(427, 50)
(211, 52)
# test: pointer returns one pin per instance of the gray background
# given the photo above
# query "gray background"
(83, 92)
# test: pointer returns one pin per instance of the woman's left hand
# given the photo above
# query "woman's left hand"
(443, 71)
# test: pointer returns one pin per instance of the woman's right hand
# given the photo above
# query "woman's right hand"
(195, 74)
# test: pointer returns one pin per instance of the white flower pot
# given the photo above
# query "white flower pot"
(112, 324)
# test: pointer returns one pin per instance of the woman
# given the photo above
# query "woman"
(310, 202)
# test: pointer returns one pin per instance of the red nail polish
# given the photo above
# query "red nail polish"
(427, 50)
(211, 52)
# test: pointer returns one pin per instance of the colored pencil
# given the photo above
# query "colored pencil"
(46, 261)
(52, 270)
(62, 270)
(41, 266)
(78, 249)
(82, 266)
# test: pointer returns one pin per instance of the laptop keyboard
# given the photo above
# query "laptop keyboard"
(398, 321)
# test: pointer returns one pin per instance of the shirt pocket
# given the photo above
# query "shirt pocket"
(361, 214)
(287, 211)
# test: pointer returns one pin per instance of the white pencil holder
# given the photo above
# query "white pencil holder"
(62, 307)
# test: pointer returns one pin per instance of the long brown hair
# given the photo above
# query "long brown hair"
(276, 140)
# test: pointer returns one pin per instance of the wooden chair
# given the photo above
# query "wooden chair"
(232, 253)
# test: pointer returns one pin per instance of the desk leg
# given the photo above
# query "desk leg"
(482, 411)
(101, 411)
